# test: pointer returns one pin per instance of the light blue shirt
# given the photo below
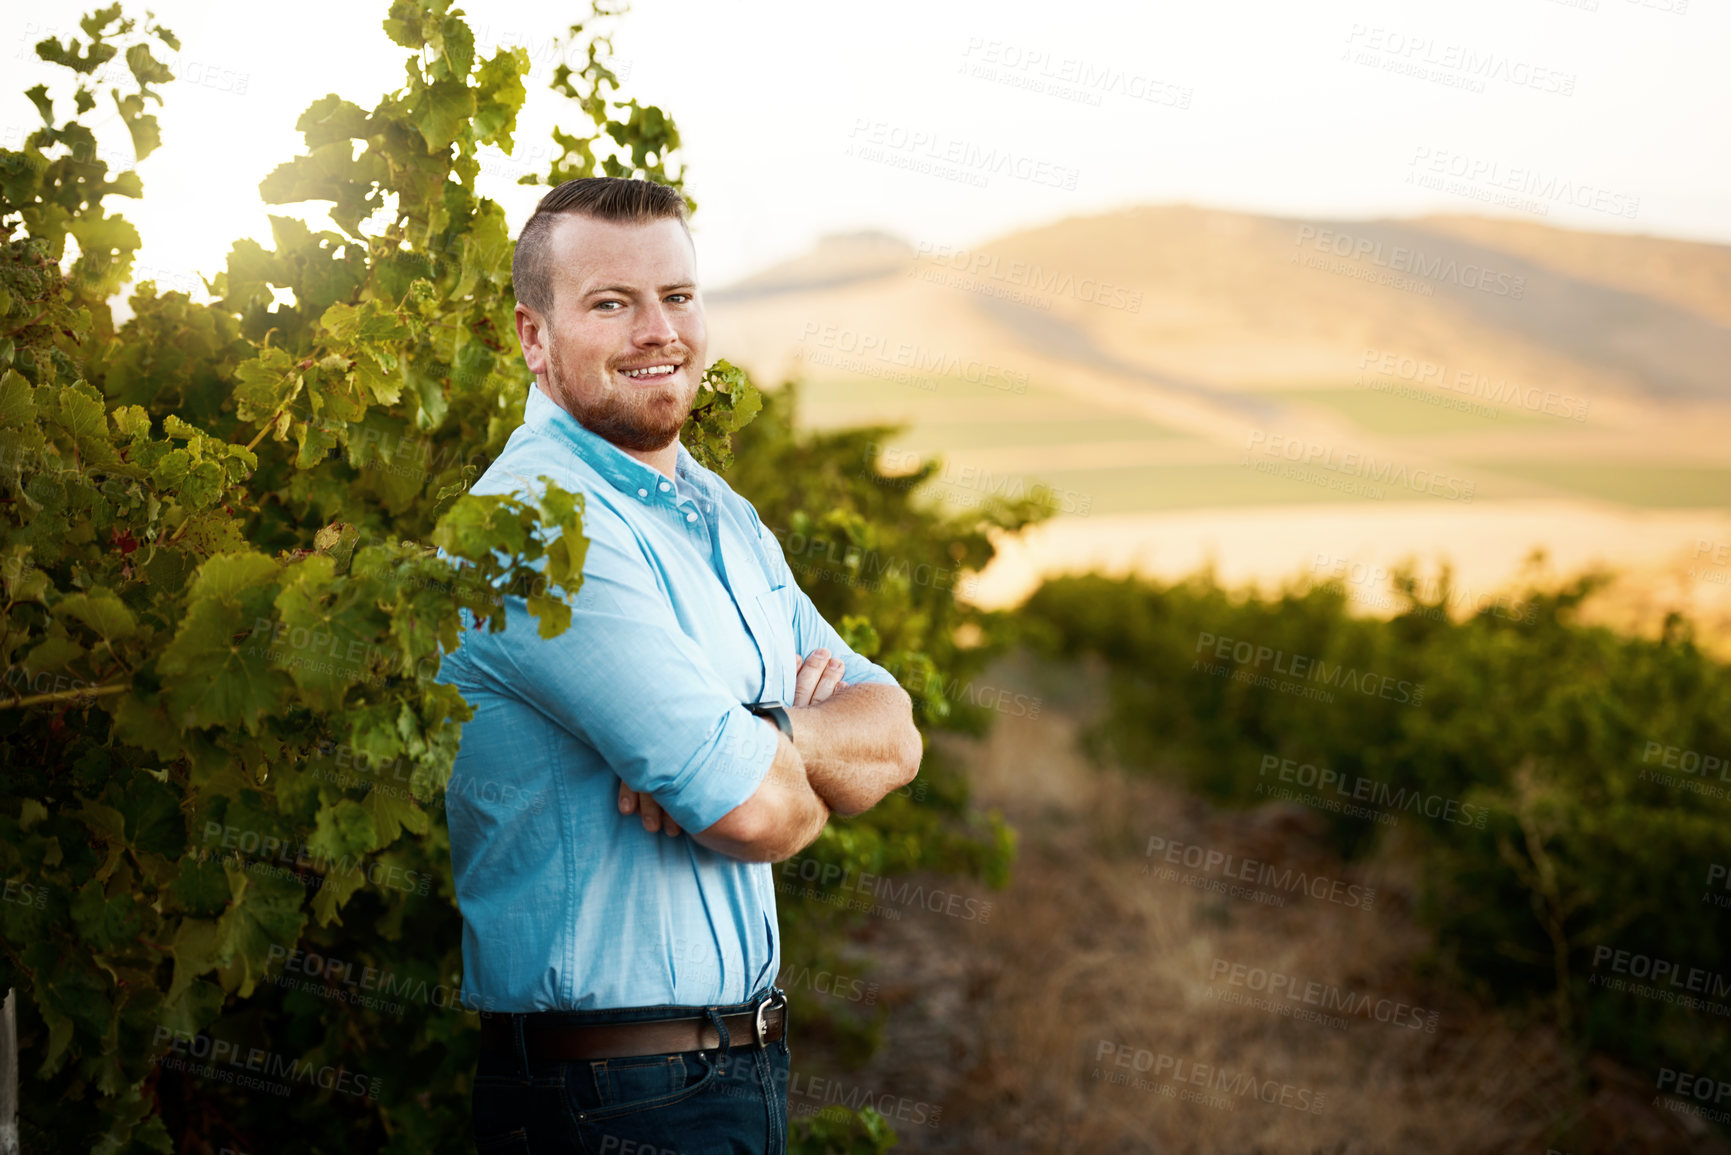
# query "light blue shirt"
(687, 612)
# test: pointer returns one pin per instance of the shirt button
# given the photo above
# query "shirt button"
(691, 517)
(665, 487)
(642, 493)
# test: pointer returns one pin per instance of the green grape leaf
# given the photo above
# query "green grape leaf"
(106, 923)
(228, 576)
(198, 948)
(17, 400)
(345, 830)
(151, 811)
(446, 108)
(268, 913)
(105, 614)
(331, 119)
(221, 666)
(202, 887)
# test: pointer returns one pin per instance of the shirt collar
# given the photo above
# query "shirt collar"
(623, 471)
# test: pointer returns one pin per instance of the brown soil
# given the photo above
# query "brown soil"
(1010, 1027)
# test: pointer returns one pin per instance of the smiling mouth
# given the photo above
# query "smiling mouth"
(659, 372)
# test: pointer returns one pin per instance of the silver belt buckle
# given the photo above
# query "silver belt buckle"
(759, 1026)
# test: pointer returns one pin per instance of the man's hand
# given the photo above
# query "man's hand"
(654, 818)
(818, 677)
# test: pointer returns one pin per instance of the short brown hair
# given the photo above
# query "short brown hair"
(607, 198)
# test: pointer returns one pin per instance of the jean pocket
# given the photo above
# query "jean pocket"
(608, 1088)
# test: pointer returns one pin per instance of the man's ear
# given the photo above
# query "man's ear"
(532, 335)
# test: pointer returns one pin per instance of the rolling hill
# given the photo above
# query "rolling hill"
(1279, 394)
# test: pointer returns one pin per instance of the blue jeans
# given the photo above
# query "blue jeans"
(732, 1099)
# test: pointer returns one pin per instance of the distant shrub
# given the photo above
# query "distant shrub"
(1567, 785)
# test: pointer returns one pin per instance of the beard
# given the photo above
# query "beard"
(643, 420)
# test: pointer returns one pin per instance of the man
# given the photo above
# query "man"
(637, 964)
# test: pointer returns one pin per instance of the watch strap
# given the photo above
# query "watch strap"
(775, 712)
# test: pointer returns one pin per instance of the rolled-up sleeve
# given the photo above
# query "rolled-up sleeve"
(627, 680)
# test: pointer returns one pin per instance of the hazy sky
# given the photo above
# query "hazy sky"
(951, 123)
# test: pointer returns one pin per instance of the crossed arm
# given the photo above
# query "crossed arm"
(673, 733)
(851, 746)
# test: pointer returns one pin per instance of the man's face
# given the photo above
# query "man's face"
(624, 347)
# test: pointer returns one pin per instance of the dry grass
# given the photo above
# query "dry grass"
(1000, 1023)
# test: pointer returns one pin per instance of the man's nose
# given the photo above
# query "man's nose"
(656, 327)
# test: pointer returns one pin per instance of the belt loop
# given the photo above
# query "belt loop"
(517, 1036)
(720, 1029)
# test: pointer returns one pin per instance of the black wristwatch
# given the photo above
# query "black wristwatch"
(775, 712)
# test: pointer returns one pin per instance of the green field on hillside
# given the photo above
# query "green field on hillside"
(1649, 486)
(938, 436)
(1422, 411)
(1136, 489)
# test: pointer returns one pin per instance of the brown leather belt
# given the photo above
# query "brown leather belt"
(547, 1043)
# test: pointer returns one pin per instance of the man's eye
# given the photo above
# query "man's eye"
(680, 297)
(599, 304)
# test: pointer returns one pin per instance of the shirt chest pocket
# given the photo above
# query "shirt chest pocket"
(773, 632)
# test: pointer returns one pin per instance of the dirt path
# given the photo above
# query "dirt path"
(1008, 1034)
